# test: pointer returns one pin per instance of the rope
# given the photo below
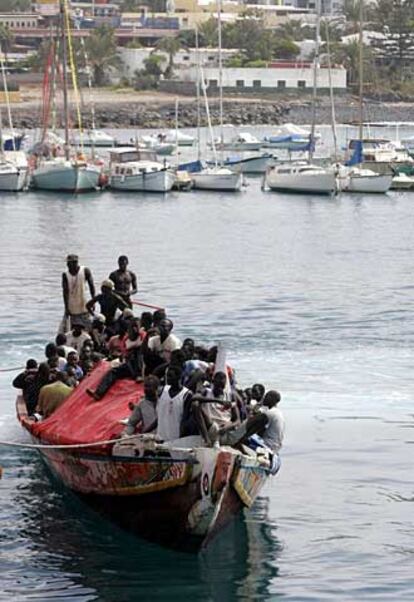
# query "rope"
(63, 446)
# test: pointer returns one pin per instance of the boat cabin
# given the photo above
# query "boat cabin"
(132, 155)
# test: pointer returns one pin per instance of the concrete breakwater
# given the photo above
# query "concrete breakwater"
(253, 112)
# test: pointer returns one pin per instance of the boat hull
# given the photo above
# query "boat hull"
(377, 183)
(157, 181)
(66, 177)
(14, 180)
(305, 184)
(210, 180)
(251, 164)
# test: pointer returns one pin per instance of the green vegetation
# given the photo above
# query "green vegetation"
(148, 78)
(102, 53)
(6, 39)
(15, 6)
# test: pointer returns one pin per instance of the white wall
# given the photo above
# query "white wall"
(269, 77)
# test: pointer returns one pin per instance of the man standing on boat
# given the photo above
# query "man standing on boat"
(74, 282)
(124, 280)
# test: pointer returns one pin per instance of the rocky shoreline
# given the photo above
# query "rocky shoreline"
(237, 112)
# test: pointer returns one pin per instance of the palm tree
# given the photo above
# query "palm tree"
(102, 53)
(171, 46)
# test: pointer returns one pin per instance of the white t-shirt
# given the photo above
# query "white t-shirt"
(275, 430)
(164, 348)
(77, 342)
(170, 413)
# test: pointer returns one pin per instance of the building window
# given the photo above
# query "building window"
(301, 83)
(281, 83)
(257, 83)
(212, 83)
(186, 57)
(239, 83)
(211, 58)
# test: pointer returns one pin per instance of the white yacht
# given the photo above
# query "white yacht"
(97, 138)
(161, 148)
(176, 137)
(302, 177)
(244, 141)
(14, 170)
(139, 170)
(357, 179)
(218, 178)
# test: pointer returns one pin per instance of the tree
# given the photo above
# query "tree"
(285, 49)
(348, 55)
(208, 33)
(102, 53)
(394, 19)
(148, 78)
(171, 46)
(6, 39)
(295, 30)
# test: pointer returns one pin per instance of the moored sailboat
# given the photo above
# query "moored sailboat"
(70, 172)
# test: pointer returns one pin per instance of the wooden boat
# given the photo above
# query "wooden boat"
(179, 492)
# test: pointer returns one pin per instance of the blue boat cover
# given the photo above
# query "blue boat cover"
(192, 167)
(357, 156)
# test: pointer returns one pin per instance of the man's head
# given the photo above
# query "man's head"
(51, 350)
(77, 330)
(177, 358)
(60, 339)
(158, 315)
(87, 348)
(98, 323)
(151, 384)
(31, 364)
(73, 358)
(173, 376)
(188, 348)
(258, 392)
(219, 382)
(165, 327)
(146, 320)
(72, 261)
(123, 262)
(107, 287)
(271, 399)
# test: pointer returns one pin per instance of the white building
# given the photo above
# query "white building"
(277, 75)
(133, 58)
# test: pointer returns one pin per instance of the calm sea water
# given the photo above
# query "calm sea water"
(312, 296)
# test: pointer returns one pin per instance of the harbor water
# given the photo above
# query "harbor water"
(312, 296)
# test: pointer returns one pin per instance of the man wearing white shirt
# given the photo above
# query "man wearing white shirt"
(160, 346)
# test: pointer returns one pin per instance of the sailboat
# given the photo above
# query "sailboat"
(354, 177)
(67, 173)
(215, 177)
(13, 163)
(304, 176)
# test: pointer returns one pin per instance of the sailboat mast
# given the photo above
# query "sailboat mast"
(361, 68)
(198, 96)
(65, 77)
(315, 78)
(220, 76)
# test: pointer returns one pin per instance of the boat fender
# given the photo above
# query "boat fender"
(103, 180)
(1, 471)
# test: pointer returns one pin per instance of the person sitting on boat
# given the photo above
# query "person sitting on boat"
(130, 368)
(51, 396)
(61, 343)
(274, 430)
(73, 362)
(257, 394)
(26, 381)
(144, 415)
(74, 282)
(158, 348)
(215, 411)
(146, 323)
(53, 358)
(177, 359)
(125, 281)
(117, 343)
(77, 337)
(109, 302)
(98, 334)
(170, 406)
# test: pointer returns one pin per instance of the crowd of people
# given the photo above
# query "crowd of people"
(185, 392)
